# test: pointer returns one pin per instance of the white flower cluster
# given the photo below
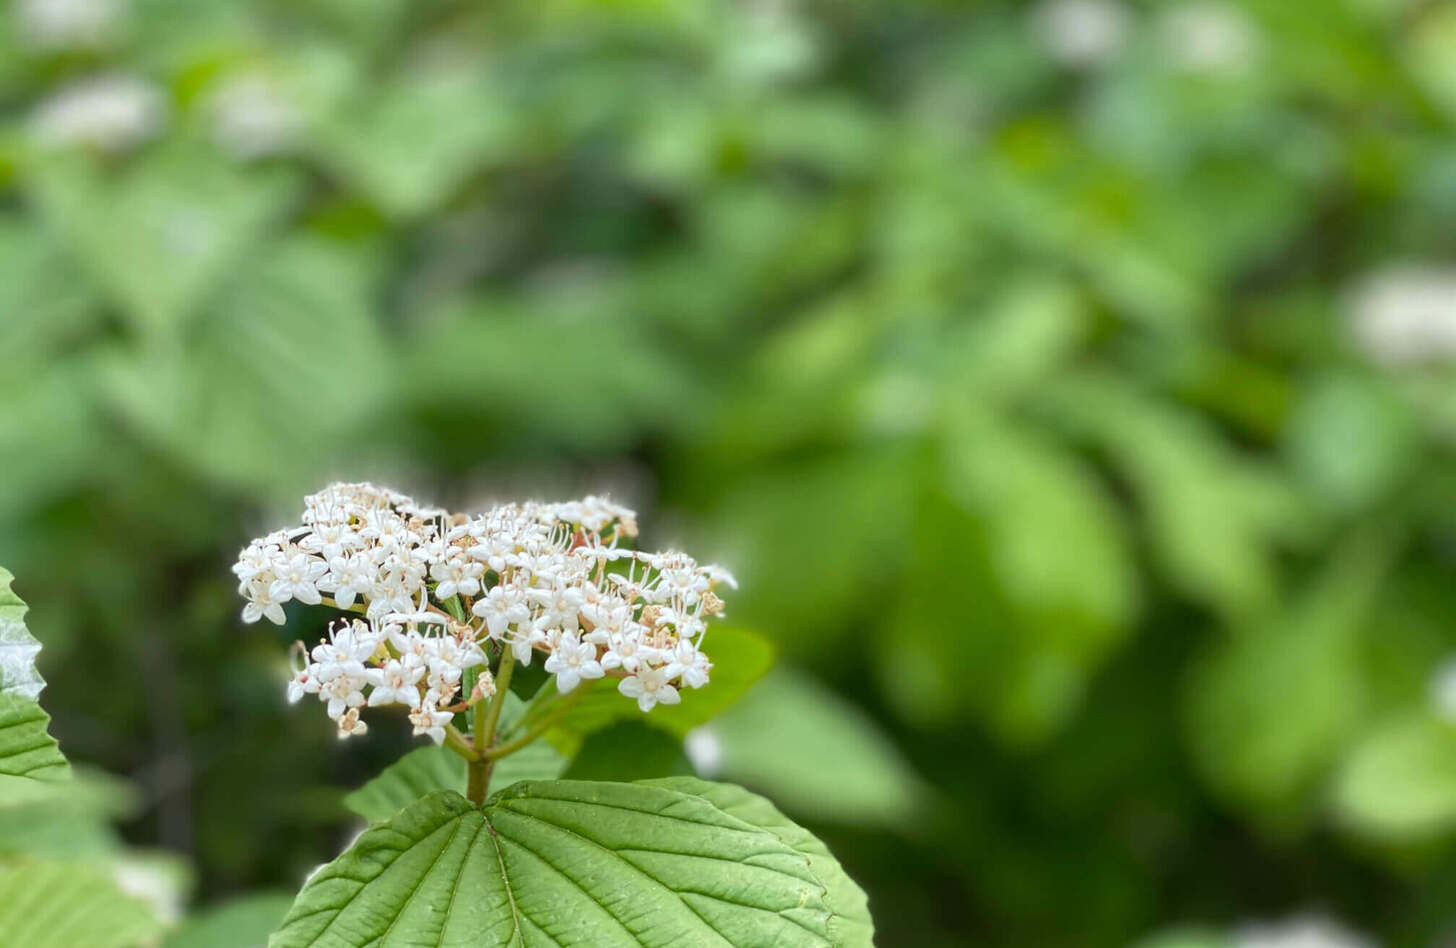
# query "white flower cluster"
(439, 592)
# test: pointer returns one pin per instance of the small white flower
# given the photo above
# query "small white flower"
(396, 683)
(524, 642)
(297, 578)
(571, 661)
(350, 724)
(260, 604)
(560, 604)
(687, 662)
(456, 576)
(430, 722)
(650, 688)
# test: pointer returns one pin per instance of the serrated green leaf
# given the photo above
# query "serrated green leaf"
(244, 922)
(55, 904)
(739, 657)
(564, 863)
(30, 760)
(18, 648)
(850, 923)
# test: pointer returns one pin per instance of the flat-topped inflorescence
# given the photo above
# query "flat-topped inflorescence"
(437, 593)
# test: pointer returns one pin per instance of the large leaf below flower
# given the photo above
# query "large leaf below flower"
(850, 919)
(568, 863)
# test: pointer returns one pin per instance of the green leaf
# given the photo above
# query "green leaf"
(1399, 783)
(162, 237)
(18, 648)
(239, 923)
(629, 750)
(245, 397)
(411, 142)
(1272, 708)
(1214, 515)
(850, 920)
(564, 863)
(30, 760)
(811, 751)
(739, 659)
(1187, 938)
(54, 904)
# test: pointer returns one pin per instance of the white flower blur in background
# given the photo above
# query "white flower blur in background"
(704, 749)
(69, 24)
(1443, 691)
(1406, 314)
(1081, 33)
(252, 118)
(434, 590)
(153, 883)
(109, 112)
(1305, 931)
(1210, 38)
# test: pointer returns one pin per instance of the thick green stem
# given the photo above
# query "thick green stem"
(486, 718)
(457, 743)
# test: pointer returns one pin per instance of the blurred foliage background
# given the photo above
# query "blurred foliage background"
(1070, 386)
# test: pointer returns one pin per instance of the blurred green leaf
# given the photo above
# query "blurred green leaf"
(811, 751)
(1399, 782)
(272, 379)
(52, 904)
(243, 922)
(629, 750)
(411, 141)
(1271, 710)
(161, 238)
(1214, 515)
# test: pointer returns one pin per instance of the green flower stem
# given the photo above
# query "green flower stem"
(486, 719)
(457, 743)
(544, 724)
